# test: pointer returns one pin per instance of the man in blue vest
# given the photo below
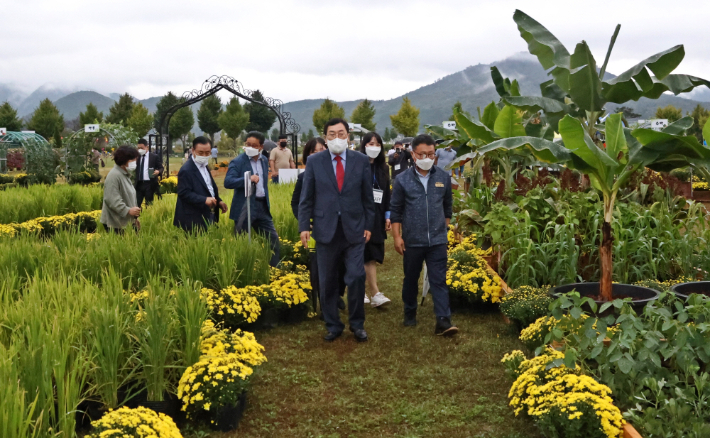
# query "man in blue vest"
(261, 221)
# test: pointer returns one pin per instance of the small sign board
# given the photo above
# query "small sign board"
(288, 175)
(91, 128)
(3, 131)
(27, 132)
(449, 125)
(355, 126)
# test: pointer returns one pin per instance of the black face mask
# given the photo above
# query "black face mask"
(283, 144)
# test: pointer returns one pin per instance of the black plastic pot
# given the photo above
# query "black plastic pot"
(227, 418)
(640, 295)
(684, 290)
(170, 406)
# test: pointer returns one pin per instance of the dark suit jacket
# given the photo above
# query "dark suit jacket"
(296, 198)
(190, 209)
(154, 162)
(235, 180)
(322, 202)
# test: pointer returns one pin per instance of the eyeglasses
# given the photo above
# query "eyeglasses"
(423, 156)
(342, 135)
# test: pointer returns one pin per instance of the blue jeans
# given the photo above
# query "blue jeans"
(435, 258)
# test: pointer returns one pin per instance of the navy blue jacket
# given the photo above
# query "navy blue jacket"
(190, 209)
(322, 202)
(235, 180)
(420, 211)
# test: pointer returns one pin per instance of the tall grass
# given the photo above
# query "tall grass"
(284, 221)
(21, 204)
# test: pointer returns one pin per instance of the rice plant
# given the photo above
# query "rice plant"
(21, 204)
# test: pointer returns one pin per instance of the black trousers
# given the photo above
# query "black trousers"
(144, 190)
(330, 256)
(435, 258)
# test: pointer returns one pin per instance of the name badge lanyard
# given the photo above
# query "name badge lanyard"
(378, 193)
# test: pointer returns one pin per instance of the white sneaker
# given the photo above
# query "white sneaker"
(379, 299)
(367, 300)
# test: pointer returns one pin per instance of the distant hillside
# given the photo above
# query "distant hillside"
(474, 88)
(9, 93)
(71, 105)
(31, 102)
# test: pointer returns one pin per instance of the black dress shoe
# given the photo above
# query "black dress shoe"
(331, 336)
(341, 303)
(410, 319)
(444, 327)
(360, 335)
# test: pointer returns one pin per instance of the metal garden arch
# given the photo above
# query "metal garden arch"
(287, 125)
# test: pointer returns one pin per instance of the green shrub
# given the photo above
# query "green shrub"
(526, 304)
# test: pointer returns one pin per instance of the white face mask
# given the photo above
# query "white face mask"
(142, 151)
(202, 161)
(132, 166)
(251, 152)
(425, 163)
(337, 145)
(373, 151)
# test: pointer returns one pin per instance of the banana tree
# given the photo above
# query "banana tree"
(610, 168)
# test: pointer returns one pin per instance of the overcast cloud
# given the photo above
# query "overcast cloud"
(311, 49)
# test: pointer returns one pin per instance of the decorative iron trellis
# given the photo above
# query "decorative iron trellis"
(212, 85)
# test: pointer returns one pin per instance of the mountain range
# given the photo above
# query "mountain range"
(472, 87)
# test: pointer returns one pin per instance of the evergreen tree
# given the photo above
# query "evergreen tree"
(165, 103)
(364, 114)
(627, 112)
(208, 115)
(234, 119)
(700, 117)
(181, 124)
(386, 136)
(328, 110)
(90, 116)
(121, 111)
(669, 112)
(304, 137)
(46, 120)
(141, 120)
(261, 118)
(310, 134)
(406, 121)
(274, 136)
(9, 119)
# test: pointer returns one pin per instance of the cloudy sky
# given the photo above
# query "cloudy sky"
(344, 49)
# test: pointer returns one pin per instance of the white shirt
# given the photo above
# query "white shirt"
(144, 162)
(206, 176)
(258, 170)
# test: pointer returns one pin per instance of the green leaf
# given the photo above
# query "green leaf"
(625, 365)
(541, 43)
(581, 145)
(490, 114)
(679, 127)
(472, 128)
(596, 351)
(604, 307)
(615, 139)
(551, 90)
(676, 84)
(499, 82)
(669, 151)
(515, 88)
(509, 123)
(570, 358)
(543, 150)
(706, 131)
(634, 82)
(535, 103)
(584, 84)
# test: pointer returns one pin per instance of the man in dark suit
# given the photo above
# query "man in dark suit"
(198, 202)
(337, 196)
(261, 221)
(148, 169)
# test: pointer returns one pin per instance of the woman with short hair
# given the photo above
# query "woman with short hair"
(120, 207)
(371, 145)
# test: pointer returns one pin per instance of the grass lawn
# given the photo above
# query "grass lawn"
(404, 382)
